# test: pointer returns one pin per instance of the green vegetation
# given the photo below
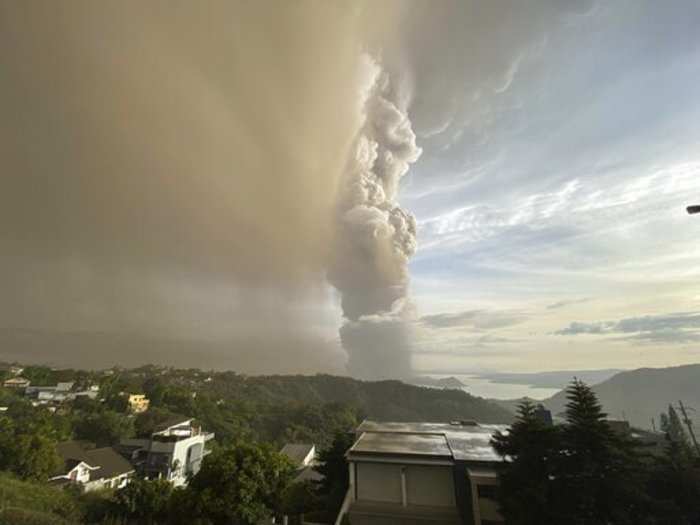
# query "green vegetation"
(240, 484)
(27, 441)
(334, 468)
(35, 503)
(585, 473)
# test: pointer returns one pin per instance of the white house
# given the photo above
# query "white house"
(17, 382)
(303, 457)
(300, 454)
(423, 473)
(173, 452)
(91, 468)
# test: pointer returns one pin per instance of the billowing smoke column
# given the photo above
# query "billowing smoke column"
(376, 237)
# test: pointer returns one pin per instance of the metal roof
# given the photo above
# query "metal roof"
(401, 443)
(461, 441)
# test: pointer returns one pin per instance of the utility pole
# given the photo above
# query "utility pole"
(689, 424)
(653, 425)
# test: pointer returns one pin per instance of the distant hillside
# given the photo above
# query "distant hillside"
(386, 400)
(511, 405)
(552, 379)
(442, 382)
(638, 395)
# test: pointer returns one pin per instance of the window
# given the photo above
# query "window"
(486, 491)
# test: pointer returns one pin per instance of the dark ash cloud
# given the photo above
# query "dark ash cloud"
(170, 171)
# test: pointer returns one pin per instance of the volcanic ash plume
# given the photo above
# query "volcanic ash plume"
(376, 237)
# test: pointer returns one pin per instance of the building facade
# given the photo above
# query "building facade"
(91, 468)
(423, 473)
(174, 452)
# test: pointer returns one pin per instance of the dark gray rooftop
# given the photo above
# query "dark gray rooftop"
(465, 441)
(397, 443)
(297, 452)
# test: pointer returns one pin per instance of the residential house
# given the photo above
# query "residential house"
(16, 382)
(303, 457)
(300, 454)
(91, 468)
(423, 473)
(57, 394)
(14, 370)
(138, 403)
(173, 452)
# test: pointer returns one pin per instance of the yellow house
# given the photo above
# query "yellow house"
(138, 403)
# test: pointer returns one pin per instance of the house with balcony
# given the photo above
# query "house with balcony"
(423, 474)
(174, 451)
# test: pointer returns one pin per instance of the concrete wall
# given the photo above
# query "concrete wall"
(420, 484)
(379, 482)
(430, 485)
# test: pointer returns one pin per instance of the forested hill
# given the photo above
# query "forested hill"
(638, 395)
(276, 409)
(387, 400)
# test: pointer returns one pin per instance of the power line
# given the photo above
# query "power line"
(689, 424)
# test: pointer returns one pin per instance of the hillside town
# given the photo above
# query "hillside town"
(365, 262)
(113, 440)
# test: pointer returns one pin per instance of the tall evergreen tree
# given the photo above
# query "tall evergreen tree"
(675, 431)
(598, 476)
(334, 468)
(530, 449)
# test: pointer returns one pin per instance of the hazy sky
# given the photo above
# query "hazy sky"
(173, 176)
(550, 196)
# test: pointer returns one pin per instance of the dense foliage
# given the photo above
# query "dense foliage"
(333, 466)
(34, 502)
(239, 485)
(585, 473)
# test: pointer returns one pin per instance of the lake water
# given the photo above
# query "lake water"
(481, 387)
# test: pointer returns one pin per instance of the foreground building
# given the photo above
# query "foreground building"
(423, 473)
(91, 468)
(173, 452)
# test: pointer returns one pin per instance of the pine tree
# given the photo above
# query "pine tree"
(334, 469)
(597, 480)
(675, 430)
(529, 449)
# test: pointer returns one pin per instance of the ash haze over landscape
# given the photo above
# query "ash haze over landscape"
(380, 189)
